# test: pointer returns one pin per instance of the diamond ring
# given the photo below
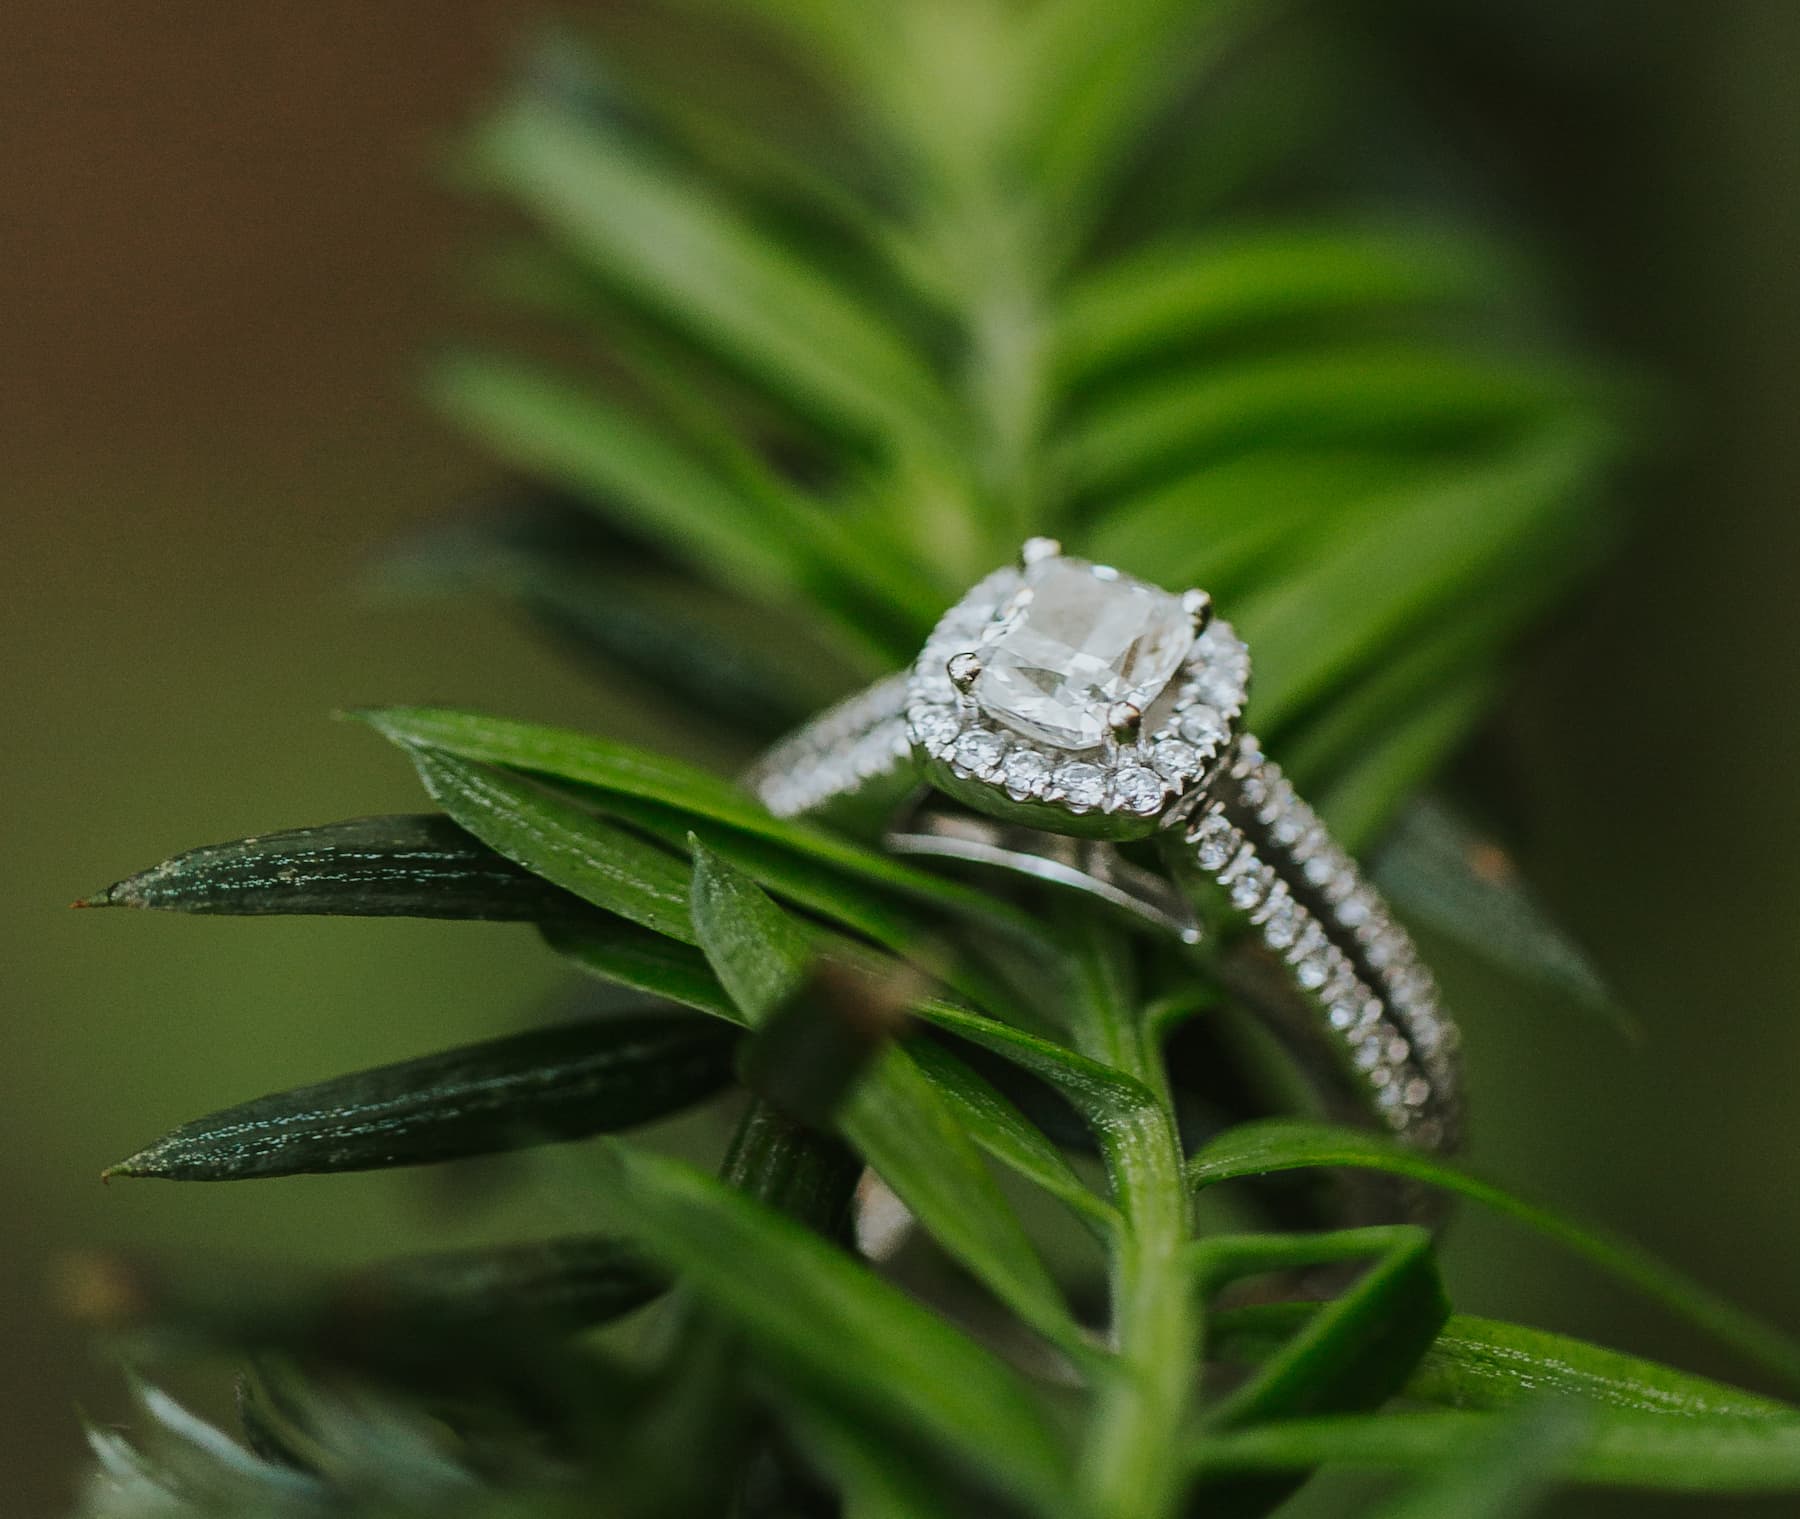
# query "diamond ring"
(1070, 721)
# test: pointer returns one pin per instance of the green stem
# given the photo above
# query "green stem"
(1130, 1468)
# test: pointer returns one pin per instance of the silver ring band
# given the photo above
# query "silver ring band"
(1335, 976)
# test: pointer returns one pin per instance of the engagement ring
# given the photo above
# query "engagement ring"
(1084, 727)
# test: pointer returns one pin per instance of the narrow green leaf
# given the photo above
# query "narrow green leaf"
(577, 438)
(1008, 1136)
(1359, 805)
(1501, 1473)
(729, 286)
(835, 1329)
(1257, 1149)
(1487, 1365)
(621, 952)
(1398, 397)
(1353, 1354)
(619, 769)
(617, 610)
(1436, 868)
(1089, 76)
(1357, 1350)
(571, 848)
(1637, 1451)
(541, 1087)
(1100, 1092)
(1182, 293)
(416, 1311)
(1404, 557)
(421, 866)
(1217, 525)
(898, 1121)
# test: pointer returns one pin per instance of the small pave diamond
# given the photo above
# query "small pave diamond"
(934, 726)
(1204, 727)
(1025, 773)
(1175, 759)
(1075, 640)
(978, 752)
(1083, 786)
(1138, 790)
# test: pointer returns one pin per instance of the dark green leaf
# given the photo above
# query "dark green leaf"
(899, 1122)
(624, 771)
(1501, 1473)
(834, 1328)
(1643, 1452)
(1438, 869)
(1353, 1354)
(1257, 1149)
(621, 952)
(562, 843)
(728, 286)
(1488, 1365)
(416, 1312)
(540, 1087)
(1180, 294)
(1008, 1136)
(420, 866)
(1402, 558)
(1396, 397)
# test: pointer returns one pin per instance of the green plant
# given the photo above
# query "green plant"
(928, 278)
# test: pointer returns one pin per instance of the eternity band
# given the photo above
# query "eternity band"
(1072, 722)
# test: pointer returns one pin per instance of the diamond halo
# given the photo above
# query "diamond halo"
(1029, 728)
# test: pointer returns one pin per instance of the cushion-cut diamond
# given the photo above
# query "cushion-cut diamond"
(1074, 640)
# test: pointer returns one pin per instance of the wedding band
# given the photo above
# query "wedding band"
(1064, 717)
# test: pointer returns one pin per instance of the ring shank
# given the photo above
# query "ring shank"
(1312, 947)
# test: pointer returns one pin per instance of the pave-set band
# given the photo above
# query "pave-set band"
(1062, 709)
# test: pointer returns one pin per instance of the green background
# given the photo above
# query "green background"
(223, 254)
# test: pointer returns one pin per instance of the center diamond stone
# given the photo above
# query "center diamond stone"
(1075, 639)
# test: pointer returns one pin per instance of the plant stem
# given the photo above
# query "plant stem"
(1130, 1464)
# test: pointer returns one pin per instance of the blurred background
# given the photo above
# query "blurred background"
(225, 249)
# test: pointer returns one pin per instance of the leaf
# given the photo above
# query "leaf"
(1436, 868)
(624, 771)
(1359, 805)
(412, 1314)
(1488, 1365)
(1091, 76)
(1390, 395)
(617, 610)
(541, 1087)
(679, 251)
(1638, 1451)
(420, 866)
(1215, 527)
(1354, 1353)
(834, 1329)
(623, 953)
(1100, 1092)
(571, 848)
(894, 1117)
(1501, 1473)
(1257, 1149)
(1404, 557)
(1183, 292)
(1007, 1136)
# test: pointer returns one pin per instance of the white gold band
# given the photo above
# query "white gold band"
(1361, 1011)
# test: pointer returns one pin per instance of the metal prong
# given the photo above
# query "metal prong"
(1038, 548)
(1199, 607)
(962, 670)
(1123, 721)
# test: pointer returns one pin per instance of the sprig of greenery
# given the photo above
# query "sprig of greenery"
(865, 308)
